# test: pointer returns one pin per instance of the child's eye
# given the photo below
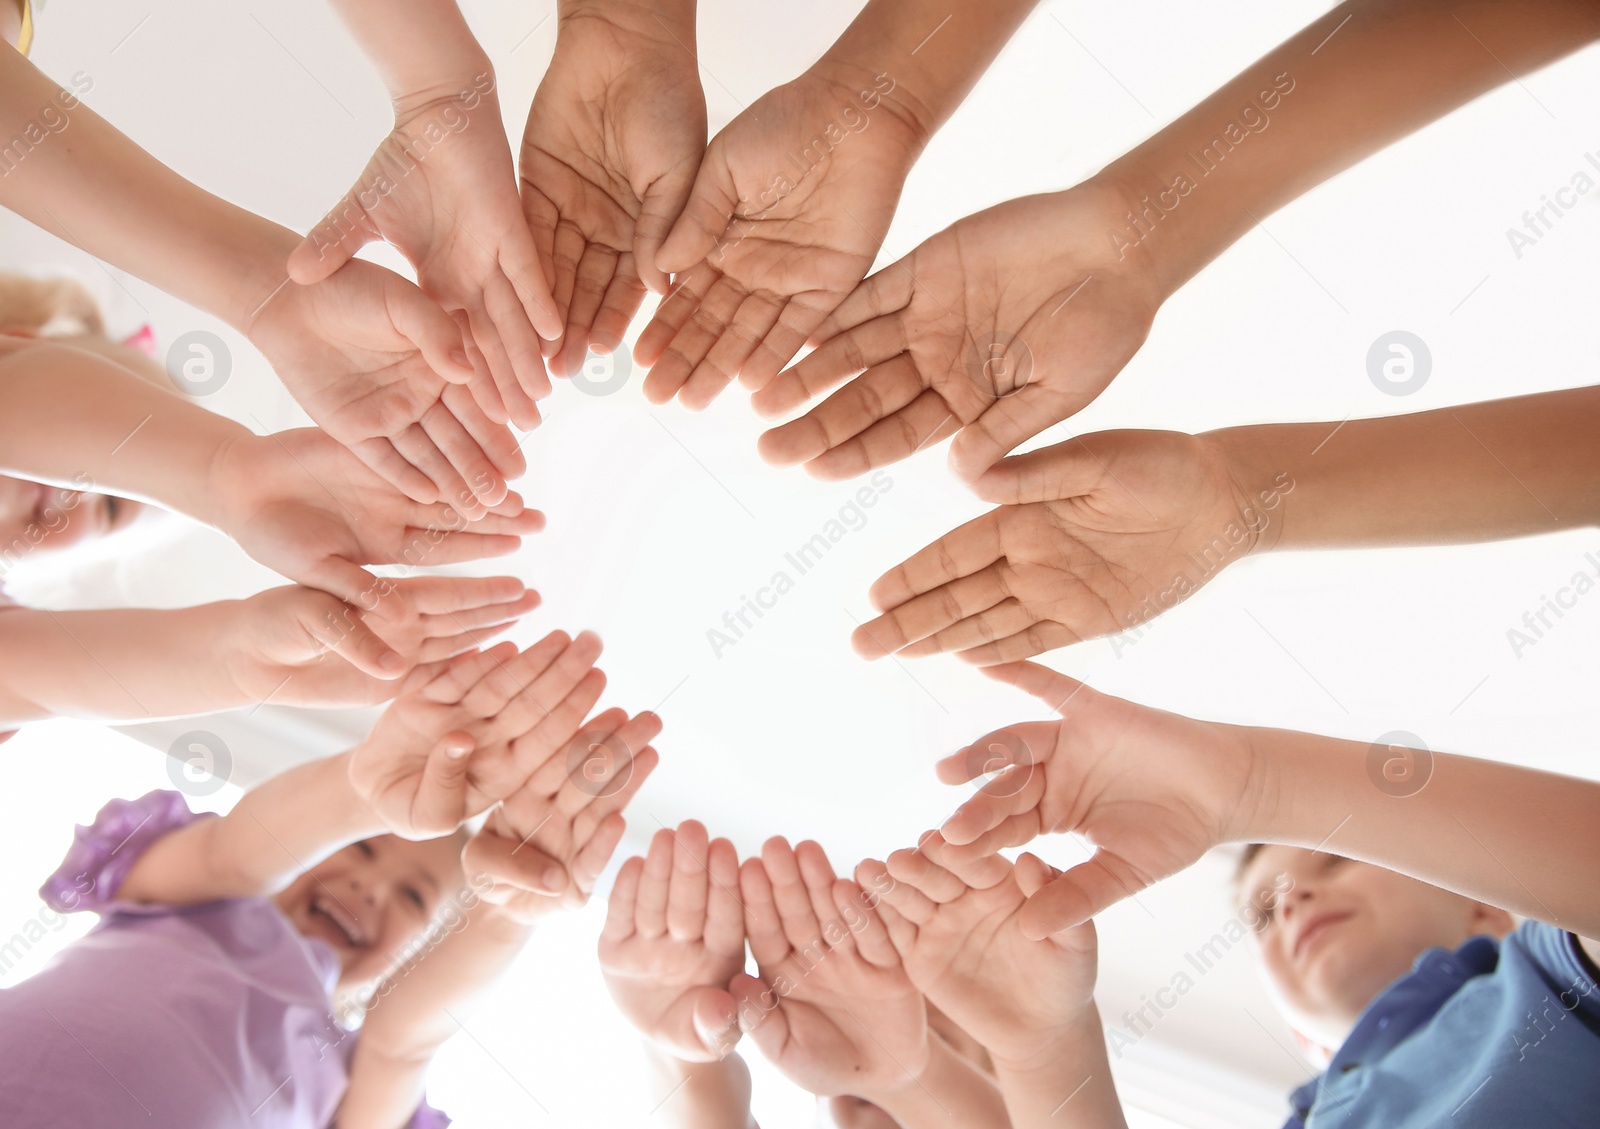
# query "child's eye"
(365, 848)
(416, 898)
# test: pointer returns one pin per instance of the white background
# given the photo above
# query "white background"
(660, 521)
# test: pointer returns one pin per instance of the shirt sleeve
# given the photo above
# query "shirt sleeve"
(427, 1117)
(1555, 953)
(103, 852)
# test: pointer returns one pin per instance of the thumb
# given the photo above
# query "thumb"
(661, 206)
(342, 578)
(716, 1021)
(703, 222)
(423, 322)
(1078, 895)
(761, 1015)
(1051, 687)
(1008, 421)
(441, 800)
(1065, 470)
(333, 242)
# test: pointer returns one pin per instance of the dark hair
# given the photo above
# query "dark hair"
(1251, 850)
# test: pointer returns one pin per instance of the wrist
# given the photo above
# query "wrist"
(1052, 1050)
(232, 472)
(872, 92)
(1262, 481)
(463, 82)
(670, 21)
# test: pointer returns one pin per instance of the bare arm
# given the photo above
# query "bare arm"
(1479, 472)
(277, 830)
(1353, 82)
(700, 1095)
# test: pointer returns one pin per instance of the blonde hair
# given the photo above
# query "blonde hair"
(55, 307)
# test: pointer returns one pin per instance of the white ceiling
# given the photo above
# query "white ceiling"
(660, 521)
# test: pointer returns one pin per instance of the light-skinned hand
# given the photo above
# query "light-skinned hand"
(956, 923)
(1093, 536)
(482, 725)
(776, 233)
(570, 808)
(833, 1008)
(673, 939)
(298, 646)
(300, 503)
(1152, 792)
(441, 189)
(1004, 323)
(614, 137)
(381, 367)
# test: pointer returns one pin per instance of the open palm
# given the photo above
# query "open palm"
(673, 939)
(363, 351)
(1098, 534)
(614, 137)
(1001, 325)
(788, 211)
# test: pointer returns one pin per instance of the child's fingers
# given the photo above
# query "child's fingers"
(650, 915)
(911, 903)
(462, 673)
(1033, 873)
(1013, 831)
(441, 800)
(602, 764)
(977, 871)
(724, 928)
(502, 614)
(870, 937)
(902, 933)
(1025, 744)
(506, 680)
(686, 894)
(817, 874)
(510, 863)
(1050, 687)
(628, 782)
(789, 894)
(761, 1015)
(762, 925)
(1012, 793)
(537, 699)
(595, 852)
(444, 595)
(620, 908)
(1079, 894)
(339, 628)
(915, 869)
(448, 646)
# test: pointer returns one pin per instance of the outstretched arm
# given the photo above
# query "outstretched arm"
(1479, 472)
(367, 354)
(1154, 791)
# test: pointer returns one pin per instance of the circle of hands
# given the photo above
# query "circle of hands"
(977, 333)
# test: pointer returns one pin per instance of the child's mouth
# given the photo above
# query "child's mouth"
(339, 920)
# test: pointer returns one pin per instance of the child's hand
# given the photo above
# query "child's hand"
(765, 248)
(298, 646)
(1004, 323)
(614, 137)
(570, 809)
(382, 369)
(300, 503)
(834, 1010)
(957, 924)
(1096, 535)
(673, 939)
(465, 737)
(441, 189)
(1151, 790)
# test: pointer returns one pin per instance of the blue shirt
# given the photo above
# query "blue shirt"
(1496, 1035)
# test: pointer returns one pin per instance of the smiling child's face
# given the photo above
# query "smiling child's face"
(369, 900)
(1344, 930)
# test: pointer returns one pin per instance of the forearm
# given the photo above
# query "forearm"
(1323, 101)
(951, 1091)
(117, 664)
(1512, 837)
(700, 1095)
(273, 834)
(423, 49)
(418, 1008)
(1067, 1085)
(75, 419)
(934, 52)
(1480, 472)
(90, 185)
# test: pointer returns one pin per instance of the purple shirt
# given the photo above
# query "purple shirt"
(176, 1017)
